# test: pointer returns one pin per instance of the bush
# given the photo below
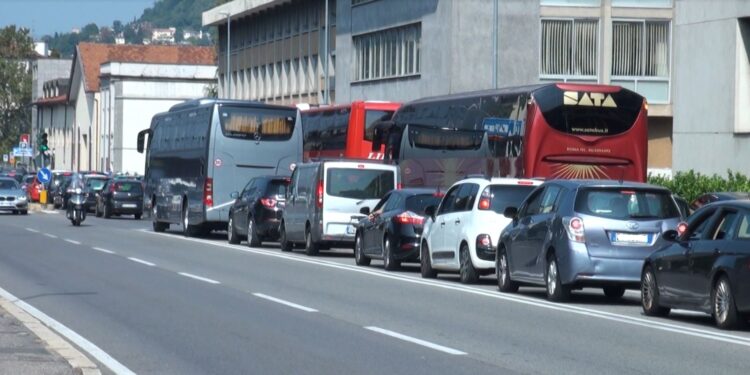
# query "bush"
(690, 185)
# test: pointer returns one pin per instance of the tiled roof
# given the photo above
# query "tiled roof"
(52, 100)
(93, 55)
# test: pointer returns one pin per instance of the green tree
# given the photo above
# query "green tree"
(16, 52)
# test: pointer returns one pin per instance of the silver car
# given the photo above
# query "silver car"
(570, 234)
(12, 197)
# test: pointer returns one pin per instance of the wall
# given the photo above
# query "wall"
(44, 70)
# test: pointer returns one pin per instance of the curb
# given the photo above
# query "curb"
(80, 363)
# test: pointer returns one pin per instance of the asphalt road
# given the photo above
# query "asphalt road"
(161, 303)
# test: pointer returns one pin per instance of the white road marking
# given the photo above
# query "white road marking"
(50, 235)
(287, 303)
(32, 230)
(636, 321)
(141, 261)
(51, 212)
(80, 341)
(196, 277)
(417, 341)
(103, 250)
(74, 242)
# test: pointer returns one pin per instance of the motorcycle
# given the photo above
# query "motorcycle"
(77, 207)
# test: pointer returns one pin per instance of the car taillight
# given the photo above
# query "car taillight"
(208, 192)
(682, 228)
(319, 195)
(112, 188)
(485, 200)
(409, 217)
(574, 228)
(399, 186)
(268, 202)
(484, 241)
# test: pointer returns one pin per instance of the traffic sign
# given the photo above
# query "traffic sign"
(44, 175)
(23, 142)
(23, 151)
(5, 158)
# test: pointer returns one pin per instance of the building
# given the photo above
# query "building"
(403, 50)
(133, 92)
(278, 50)
(41, 49)
(163, 36)
(54, 116)
(712, 86)
(44, 70)
(85, 93)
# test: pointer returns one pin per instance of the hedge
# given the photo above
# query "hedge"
(690, 184)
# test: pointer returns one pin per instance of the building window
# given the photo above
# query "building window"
(640, 57)
(569, 49)
(642, 3)
(387, 53)
(581, 3)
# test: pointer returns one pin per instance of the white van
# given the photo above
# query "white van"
(324, 200)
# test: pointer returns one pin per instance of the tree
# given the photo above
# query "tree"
(16, 52)
(117, 26)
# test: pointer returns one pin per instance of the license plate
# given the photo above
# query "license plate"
(350, 229)
(4, 203)
(129, 205)
(631, 238)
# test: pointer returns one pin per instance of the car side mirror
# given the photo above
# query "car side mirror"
(510, 212)
(364, 210)
(670, 235)
(430, 211)
(234, 195)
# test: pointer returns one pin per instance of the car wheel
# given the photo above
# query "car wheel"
(504, 283)
(556, 291)
(253, 239)
(359, 256)
(389, 264)
(311, 247)
(24, 212)
(468, 274)
(107, 211)
(724, 308)
(232, 236)
(425, 264)
(650, 295)
(187, 229)
(286, 246)
(14, 212)
(614, 292)
(157, 226)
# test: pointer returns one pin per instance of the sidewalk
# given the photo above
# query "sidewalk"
(22, 352)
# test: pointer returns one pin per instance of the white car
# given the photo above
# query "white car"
(461, 234)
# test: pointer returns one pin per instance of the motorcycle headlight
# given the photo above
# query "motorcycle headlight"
(78, 191)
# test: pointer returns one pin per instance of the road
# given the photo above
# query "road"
(162, 303)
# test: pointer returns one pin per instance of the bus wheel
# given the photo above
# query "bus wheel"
(157, 225)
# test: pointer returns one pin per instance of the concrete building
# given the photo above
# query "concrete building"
(712, 86)
(404, 50)
(55, 117)
(132, 93)
(44, 70)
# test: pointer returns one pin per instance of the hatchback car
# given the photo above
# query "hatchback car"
(571, 234)
(93, 187)
(392, 230)
(461, 234)
(705, 266)
(256, 211)
(717, 197)
(57, 187)
(120, 197)
(12, 197)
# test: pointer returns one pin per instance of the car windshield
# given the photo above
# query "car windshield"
(626, 203)
(8, 184)
(359, 183)
(129, 187)
(417, 203)
(277, 187)
(95, 183)
(504, 196)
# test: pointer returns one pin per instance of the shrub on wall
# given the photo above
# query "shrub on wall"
(690, 184)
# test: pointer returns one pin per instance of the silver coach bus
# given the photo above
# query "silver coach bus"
(200, 151)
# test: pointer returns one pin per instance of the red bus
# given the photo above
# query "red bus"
(554, 130)
(344, 131)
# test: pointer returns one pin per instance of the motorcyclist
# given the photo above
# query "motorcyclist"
(76, 186)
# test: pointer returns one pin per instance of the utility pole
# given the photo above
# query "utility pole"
(327, 96)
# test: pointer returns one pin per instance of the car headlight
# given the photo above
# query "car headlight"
(21, 198)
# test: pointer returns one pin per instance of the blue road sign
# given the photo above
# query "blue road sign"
(44, 175)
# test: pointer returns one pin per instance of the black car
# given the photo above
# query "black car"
(256, 211)
(120, 197)
(717, 197)
(93, 187)
(392, 230)
(57, 187)
(706, 267)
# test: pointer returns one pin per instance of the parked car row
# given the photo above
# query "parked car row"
(562, 235)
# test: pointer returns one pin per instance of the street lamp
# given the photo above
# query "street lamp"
(229, 46)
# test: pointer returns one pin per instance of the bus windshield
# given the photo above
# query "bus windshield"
(256, 124)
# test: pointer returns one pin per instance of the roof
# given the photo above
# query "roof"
(606, 183)
(60, 99)
(93, 55)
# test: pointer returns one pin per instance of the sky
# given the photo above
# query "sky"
(45, 17)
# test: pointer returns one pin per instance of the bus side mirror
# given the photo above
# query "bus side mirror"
(430, 211)
(510, 212)
(142, 140)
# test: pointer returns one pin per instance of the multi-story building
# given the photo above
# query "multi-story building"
(712, 86)
(404, 50)
(54, 116)
(44, 70)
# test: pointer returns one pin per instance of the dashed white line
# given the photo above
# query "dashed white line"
(49, 212)
(32, 230)
(74, 242)
(103, 250)
(417, 341)
(196, 277)
(287, 303)
(141, 261)
(50, 235)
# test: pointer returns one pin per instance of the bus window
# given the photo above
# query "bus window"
(371, 118)
(255, 123)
